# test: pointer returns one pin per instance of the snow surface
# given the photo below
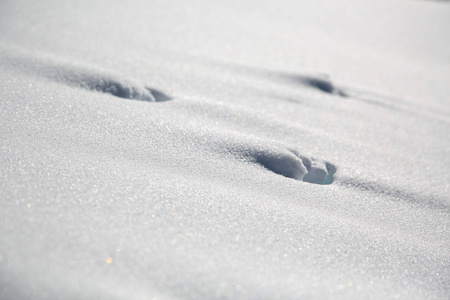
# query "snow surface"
(224, 149)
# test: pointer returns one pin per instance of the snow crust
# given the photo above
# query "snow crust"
(224, 149)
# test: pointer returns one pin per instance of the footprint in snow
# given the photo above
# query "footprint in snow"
(104, 82)
(293, 165)
(81, 76)
(319, 82)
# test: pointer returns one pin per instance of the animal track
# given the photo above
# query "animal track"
(109, 85)
(322, 83)
(286, 164)
(319, 172)
(86, 77)
(292, 165)
(104, 82)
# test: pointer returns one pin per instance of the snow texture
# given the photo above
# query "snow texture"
(304, 152)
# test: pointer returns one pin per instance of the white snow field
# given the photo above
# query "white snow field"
(224, 149)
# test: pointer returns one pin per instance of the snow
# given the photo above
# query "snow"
(226, 149)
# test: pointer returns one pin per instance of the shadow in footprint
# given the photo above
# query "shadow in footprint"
(322, 83)
(319, 172)
(104, 82)
(108, 85)
(292, 165)
(80, 75)
(285, 164)
(158, 95)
